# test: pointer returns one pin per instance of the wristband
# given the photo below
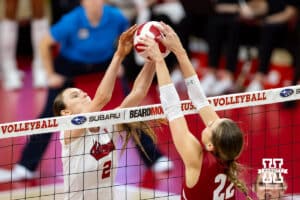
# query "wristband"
(195, 92)
(170, 102)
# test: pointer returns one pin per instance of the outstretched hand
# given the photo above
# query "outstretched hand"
(170, 39)
(150, 49)
(125, 43)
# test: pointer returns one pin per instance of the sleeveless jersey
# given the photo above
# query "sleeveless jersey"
(212, 184)
(89, 165)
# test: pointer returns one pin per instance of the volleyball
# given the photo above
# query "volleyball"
(149, 29)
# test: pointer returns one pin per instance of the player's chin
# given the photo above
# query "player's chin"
(87, 99)
(86, 102)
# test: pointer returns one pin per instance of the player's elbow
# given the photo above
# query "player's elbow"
(104, 99)
(139, 93)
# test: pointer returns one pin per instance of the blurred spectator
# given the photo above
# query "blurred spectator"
(12, 76)
(296, 5)
(296, 53)
(223, 31)
(195, 20)
(274, 30)
(193, 24)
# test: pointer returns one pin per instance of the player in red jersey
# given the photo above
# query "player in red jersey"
(211, 169)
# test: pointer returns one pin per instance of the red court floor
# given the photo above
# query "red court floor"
(271, 132)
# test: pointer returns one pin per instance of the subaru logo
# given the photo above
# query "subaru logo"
(78, 120)
(286, 92)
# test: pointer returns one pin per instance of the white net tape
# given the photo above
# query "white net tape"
(144, 113)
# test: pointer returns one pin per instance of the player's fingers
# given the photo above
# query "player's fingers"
(148, 59)
(146, 56)
(163, 28)
(167, 28)
(142, 48)
(132, 28)
(130, 32)
(146, 40)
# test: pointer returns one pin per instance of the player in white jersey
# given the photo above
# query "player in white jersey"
(89, 155)
(89, 165)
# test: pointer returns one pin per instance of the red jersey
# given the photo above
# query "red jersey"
(213, 184)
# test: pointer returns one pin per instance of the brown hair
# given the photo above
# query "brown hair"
(58, 104)
(133, 130)
(228, 141)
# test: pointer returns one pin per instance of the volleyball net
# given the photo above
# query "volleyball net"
(271, 132)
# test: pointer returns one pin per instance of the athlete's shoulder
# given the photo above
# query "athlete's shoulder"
(77, 12)
(71, 17)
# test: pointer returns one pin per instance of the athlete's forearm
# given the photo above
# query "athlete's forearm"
(185, 64)
(104, 91)
(162, 73)
(140, 87)
(144, 79)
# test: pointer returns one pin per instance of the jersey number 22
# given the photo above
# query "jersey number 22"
(219, 193)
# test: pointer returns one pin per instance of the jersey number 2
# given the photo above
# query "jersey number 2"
(229, 191)
(106, 169)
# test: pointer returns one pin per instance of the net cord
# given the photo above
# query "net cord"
(144, 113)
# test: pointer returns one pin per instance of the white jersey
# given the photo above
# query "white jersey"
(89, 165)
